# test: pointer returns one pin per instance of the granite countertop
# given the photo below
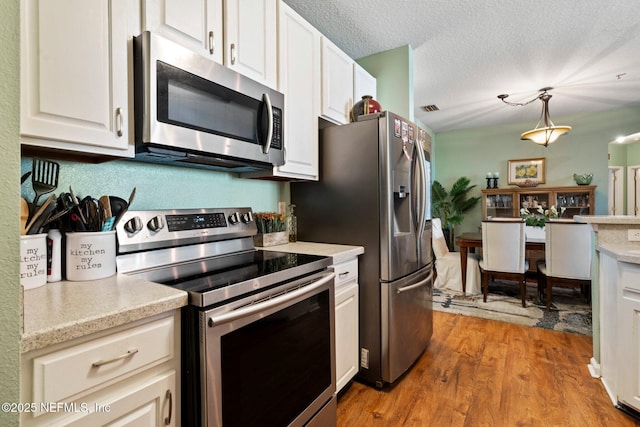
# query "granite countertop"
(608, 219)
(61, 311)
(338, 253)
(622, 252)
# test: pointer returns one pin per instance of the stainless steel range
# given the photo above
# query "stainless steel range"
(258, 334)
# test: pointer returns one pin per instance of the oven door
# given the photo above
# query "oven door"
(269, 359)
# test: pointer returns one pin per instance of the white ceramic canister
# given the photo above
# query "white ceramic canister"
(33, 261)
(90, 255)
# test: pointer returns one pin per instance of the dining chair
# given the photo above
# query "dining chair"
(503, 253)
(567, 258)
(448, 265)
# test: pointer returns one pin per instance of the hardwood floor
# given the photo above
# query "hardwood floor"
(479, 372)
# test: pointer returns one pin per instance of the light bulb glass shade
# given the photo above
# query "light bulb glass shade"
(545, 135)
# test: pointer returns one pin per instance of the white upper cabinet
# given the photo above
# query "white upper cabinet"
(363, 83)
(76, 75)
(250, 39)
(299, 80)
(337, 83)
(194, 24)
(239, 34)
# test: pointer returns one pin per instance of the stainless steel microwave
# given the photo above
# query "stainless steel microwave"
(192, 111)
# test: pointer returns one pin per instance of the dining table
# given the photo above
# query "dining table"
(469, 241)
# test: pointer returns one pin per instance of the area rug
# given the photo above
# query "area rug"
(569, 311)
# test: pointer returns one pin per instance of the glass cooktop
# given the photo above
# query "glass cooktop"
(213, 280)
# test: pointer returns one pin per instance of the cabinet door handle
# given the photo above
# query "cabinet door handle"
(119, 121)
(212, 44)
(129, 353)
(169, 396)
(346, 273)
(233, 53)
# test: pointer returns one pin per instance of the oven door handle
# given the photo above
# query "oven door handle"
(272, 303)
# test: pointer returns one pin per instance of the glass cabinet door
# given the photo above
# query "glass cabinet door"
(534, 201)
(574, 202)
(499, 205)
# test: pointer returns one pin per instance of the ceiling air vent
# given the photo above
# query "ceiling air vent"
(429, 108)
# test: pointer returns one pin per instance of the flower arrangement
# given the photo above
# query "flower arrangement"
(270, 222)
(540, 216)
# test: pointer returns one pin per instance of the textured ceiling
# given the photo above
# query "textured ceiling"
(466, 52)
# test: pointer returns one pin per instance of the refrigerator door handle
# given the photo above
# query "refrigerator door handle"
(422, 194)
(416, 285)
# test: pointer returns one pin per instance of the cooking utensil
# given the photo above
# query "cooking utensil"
(77, 203)
(25, 177)
(24, 214)
(106, 206)
(123, 206)
(44, 179)
(118, 207)
(38, 215)
(131, 196)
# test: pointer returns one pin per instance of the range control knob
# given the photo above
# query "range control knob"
(133, 225)
(156, 223)
(234, 218)
(246, 217)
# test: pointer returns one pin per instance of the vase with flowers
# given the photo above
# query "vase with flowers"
(272, 229)
(535, 220)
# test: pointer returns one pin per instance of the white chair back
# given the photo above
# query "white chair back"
(568, 250)
(438, 242)
(503, 246)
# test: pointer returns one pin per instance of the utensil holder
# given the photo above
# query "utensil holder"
(90, 255)
(33, 261)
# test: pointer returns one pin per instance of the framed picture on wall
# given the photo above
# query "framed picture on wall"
(527, 172)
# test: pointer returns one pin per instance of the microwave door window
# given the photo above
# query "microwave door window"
(190, 101)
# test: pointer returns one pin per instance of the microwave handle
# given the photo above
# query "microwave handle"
(267, 143)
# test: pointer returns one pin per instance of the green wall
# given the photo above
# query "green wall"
(393, 70)
(9, 212)
(474, 152)
(164, 187)
(633, 154)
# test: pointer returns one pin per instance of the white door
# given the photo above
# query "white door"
(615, 191)
(363, 83)
(299, 80)
(75, 74)
(250, 39)
(633, 190)
(194, 24)
(337, 83)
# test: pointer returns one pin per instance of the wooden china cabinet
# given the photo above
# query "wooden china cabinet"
(507, 202)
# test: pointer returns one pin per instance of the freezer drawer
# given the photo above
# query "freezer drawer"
(407, 321)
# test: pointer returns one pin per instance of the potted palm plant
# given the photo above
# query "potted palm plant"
(450, 205)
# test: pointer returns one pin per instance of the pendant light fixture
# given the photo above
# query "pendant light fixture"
(545, 131)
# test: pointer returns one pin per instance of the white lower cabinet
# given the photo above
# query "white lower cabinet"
(629, 340)
(619, 284)
(347, 344)
(124, 376)
(608, 283)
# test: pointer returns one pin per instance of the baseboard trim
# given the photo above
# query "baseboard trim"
(594, 368)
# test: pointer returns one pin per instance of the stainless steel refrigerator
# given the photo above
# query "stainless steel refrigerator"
(374, 191)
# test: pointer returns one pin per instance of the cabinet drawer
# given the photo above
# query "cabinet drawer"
(62, 374)
(346, 271)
